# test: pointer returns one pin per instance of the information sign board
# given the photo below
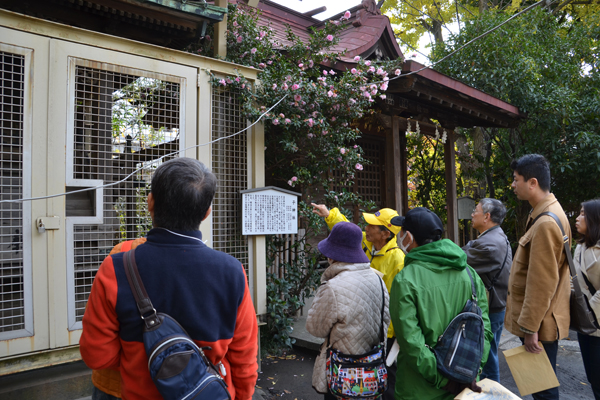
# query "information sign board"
(269, 210)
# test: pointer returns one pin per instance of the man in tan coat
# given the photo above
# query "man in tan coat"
(537, 308)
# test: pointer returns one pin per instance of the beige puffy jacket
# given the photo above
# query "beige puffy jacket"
(347, 309)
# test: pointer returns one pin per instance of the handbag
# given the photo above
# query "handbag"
(362, 376)
(583, 319)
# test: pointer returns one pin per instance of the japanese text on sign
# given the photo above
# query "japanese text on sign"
(269, 212)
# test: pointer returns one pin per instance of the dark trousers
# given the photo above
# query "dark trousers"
(590, 353)
(551, 349)
(391, 372)
(98, 394)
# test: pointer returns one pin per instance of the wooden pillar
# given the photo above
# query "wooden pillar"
(221, 32)
(403, 171)
(399, 172)
(451, 197)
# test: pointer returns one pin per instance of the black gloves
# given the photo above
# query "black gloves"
(456, 387)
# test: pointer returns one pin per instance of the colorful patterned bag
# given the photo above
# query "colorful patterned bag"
(361, 376)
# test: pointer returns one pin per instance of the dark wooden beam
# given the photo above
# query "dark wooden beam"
(451, 198)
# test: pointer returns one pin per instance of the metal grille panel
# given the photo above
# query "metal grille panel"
(368, 183)
(369, 180)
(230, 165)
(122, 122)
(12, 94)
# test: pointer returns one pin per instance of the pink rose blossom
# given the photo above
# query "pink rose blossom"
(275, 121)
(310, 63)
(290, 183)
(343, 150)
(261, 65)
(358, 167)
(300, 65)
(222, 82)
(253, 50)
(237, 79)
(357, 58)
(330, 93)
(281, 115)
(270, 62)
(285, 86)
(243, 85)
(374, 92)
(262, 34)
(384, 86)
(367, 63)
(353, 71)
(325, 132)
(310, 136)
(324, 72)
(330, 38)
(352, 101)
(294, 179)
(311, 122)
(379, 71)
(235, 23)
(332, 72)
(295, 86)
(371, 69)
(397, 72)
(333, 119)
(356, 147)
(382, 96)
(239, 39)
(367, 94)
(287, 120)
(347, 15)
(335, 22)
(297, 97)
(340, 159)
(274, 86)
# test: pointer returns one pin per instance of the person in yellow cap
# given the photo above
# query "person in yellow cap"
(379, 244)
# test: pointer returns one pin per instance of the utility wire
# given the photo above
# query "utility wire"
(158, 159)
(276, 104)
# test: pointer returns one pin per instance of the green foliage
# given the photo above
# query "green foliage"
(309, 135)
(548, 67)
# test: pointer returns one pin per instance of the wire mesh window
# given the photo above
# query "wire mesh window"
(230, 165)
(12, 93)
(368, 183)
(123, 122)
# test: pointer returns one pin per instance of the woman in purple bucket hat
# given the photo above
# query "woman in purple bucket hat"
(347, 306)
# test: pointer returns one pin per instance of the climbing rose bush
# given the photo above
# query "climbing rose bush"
(310, 134)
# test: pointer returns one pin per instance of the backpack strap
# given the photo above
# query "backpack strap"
(142, 300)
(473, 292)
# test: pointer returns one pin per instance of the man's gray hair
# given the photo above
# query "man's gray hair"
(496, 209)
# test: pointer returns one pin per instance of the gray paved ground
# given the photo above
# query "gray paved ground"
(289, 376)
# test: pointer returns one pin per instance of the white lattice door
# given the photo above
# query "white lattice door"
(124, 116)
(74, 117)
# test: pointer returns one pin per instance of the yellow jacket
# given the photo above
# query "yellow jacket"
(389, 260)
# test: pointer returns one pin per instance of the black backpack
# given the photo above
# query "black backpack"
(459, 349)
(178, 367)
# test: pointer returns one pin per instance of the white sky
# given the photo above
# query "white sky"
(337, 6)
(333, 6)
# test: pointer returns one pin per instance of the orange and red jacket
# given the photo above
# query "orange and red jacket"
(205, 290)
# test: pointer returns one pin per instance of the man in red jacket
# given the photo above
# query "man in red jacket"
(205, 290)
